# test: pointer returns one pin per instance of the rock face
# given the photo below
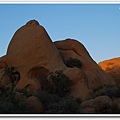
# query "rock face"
(31, 47)
(112, 67)
(107, 65)
(95, 76)
(33, 54)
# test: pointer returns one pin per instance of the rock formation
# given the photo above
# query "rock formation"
(92, 74)
(112, 67)
(34, 56)
(31, 47)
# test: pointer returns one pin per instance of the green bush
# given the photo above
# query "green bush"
(73, 62)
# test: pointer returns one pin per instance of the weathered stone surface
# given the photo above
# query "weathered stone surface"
(70, 48)
(31, 47)
(79, 79)
(81, 91)
(76, 75)
(36, 73)
(2, 65)
(107, 65)
(112, 67)
(86, 106)
(35, 103)
(115, 72)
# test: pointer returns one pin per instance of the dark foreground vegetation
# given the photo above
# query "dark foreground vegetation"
(54, 95)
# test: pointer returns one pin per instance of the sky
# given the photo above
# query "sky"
(96, 26)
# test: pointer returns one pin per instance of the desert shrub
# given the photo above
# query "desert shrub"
(55, 104)
(16, 107)
(65, 105)
(113, 91)
(58, 83)
(102, 108)
(107, 108)
(46, 85)
(46, 97)
(73, 62)
(54, 94)
(24, 92)
(8, 102)
(7, 92)
(8, 71)
(110, 91)
(117, 94)
(98, 88)
(61, 83)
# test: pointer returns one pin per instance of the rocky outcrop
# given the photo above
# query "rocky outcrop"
(112, 67)
(34, 56)
(30, 48)
(95, 76)
(107, 65)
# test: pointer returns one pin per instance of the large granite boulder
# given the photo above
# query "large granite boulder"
(33, 54)
(31, 47)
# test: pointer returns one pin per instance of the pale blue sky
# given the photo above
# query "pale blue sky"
(97, 26)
